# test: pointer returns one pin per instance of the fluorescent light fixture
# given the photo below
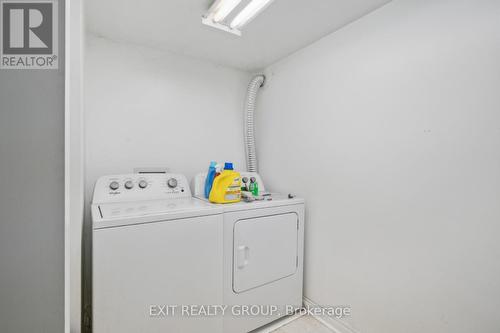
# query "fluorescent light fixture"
(222, 8)
(254, 8)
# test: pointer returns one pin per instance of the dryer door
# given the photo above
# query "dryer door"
(265, 250)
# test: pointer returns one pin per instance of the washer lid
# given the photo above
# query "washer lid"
(137, 212)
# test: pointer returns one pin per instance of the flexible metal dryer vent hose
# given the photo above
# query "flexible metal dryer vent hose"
(253, 88)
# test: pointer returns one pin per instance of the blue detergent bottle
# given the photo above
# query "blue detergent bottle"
(210, 178)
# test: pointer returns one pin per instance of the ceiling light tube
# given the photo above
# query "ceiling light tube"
(254, 8)
(222, 8)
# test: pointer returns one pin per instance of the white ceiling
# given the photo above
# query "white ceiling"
(175, 25)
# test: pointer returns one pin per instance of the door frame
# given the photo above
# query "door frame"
(73, 164)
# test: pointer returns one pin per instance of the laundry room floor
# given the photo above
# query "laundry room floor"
(304, 324)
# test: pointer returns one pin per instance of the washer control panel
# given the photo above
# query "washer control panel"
(129, 187)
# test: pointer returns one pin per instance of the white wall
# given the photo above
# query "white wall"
(390, 128)
(149, 108)
(32, 228)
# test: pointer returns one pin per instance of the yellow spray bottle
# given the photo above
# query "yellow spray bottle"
(226, 187)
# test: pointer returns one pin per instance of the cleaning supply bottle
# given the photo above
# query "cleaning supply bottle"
(244, 186)
(210, 178)
(255, 191)
(226, 186)
(251, 187)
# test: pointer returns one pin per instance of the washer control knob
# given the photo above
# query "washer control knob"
(172, 183)
(129, 184)
(114, 185)
(143, 184)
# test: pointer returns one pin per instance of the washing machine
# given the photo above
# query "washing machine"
(155, 250)
(263, 257)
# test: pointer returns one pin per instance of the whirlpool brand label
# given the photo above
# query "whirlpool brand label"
(29, 34)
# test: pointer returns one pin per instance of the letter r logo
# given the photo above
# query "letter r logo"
(27, 27)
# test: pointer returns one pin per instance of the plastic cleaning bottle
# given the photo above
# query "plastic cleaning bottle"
(251, 187)
(210, 178)
(255, 191)
(244, 186)
(226, 186)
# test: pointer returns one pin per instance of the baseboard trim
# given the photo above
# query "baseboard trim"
(278, 323)
(334, 324)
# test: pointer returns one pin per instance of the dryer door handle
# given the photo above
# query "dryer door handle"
(243, 256)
